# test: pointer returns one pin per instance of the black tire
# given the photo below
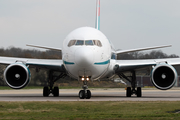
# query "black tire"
(56, 91)
(45, 91)
(128, 92)
(82, 94)
(139, 92)
(88, 96)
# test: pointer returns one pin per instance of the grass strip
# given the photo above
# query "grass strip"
(90, 110)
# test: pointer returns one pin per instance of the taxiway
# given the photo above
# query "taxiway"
(97, 95)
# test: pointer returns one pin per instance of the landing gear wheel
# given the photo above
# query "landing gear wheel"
(82, 94)
(88, 96)
(128, 92)
(139, 93)
(46, 91)
(56, 92)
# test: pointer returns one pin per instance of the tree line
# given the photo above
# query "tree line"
(52, 54)
(27, 53)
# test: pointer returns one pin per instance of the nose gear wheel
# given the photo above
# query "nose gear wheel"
(85, 93)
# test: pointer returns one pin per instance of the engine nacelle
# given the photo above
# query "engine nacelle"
(164, 76)
(17, 75)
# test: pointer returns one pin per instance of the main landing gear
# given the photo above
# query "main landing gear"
(51, 80)
(47, 91)
(132, 90)
(85, 93)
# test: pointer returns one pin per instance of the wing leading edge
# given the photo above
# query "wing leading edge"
(44, 47)
(141, 49)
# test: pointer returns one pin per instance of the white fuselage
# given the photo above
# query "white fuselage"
(84, 56)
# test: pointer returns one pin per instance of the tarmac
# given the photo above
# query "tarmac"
(117, 94)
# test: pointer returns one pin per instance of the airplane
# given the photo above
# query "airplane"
(88, 55)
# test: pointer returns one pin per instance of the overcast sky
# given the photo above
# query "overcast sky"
(127, 23)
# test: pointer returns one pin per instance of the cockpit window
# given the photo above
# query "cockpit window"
(88, 42)
(85, 42)
(80, 42)
(97, 42)
(71, 43)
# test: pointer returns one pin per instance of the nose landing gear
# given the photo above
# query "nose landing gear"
(85, 93)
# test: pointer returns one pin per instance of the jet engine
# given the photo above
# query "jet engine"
(164, 76)
(17, 75)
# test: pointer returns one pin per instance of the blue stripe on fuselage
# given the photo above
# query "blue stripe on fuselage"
(103, 63)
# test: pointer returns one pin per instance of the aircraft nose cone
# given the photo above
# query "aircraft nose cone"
(84, 57)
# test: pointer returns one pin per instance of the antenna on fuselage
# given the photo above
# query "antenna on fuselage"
(98, 15)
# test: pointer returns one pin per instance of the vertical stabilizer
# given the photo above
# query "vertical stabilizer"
(98, 15)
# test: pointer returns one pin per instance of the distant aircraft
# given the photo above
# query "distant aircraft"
(87, 55)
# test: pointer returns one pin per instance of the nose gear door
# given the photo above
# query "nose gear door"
(85, 73)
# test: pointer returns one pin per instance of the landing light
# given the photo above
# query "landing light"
(82, 79)
(87, 79)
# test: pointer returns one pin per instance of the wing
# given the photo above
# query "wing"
(44, 47)
(140, 49)
(129, 65)
(39, 63)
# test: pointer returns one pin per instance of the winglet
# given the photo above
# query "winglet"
(44, 47)
(98, 15)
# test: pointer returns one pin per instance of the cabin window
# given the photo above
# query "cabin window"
(88, 42)
(80, 42)
(71, 43)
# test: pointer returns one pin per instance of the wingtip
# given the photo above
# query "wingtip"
(167, 45)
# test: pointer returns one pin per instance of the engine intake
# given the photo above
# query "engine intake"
(17, 75)
(164, 76)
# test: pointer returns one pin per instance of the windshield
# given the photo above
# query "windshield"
(88, 42)
(97, 42)
(71, 43)
(85, 42)
(80, 42)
